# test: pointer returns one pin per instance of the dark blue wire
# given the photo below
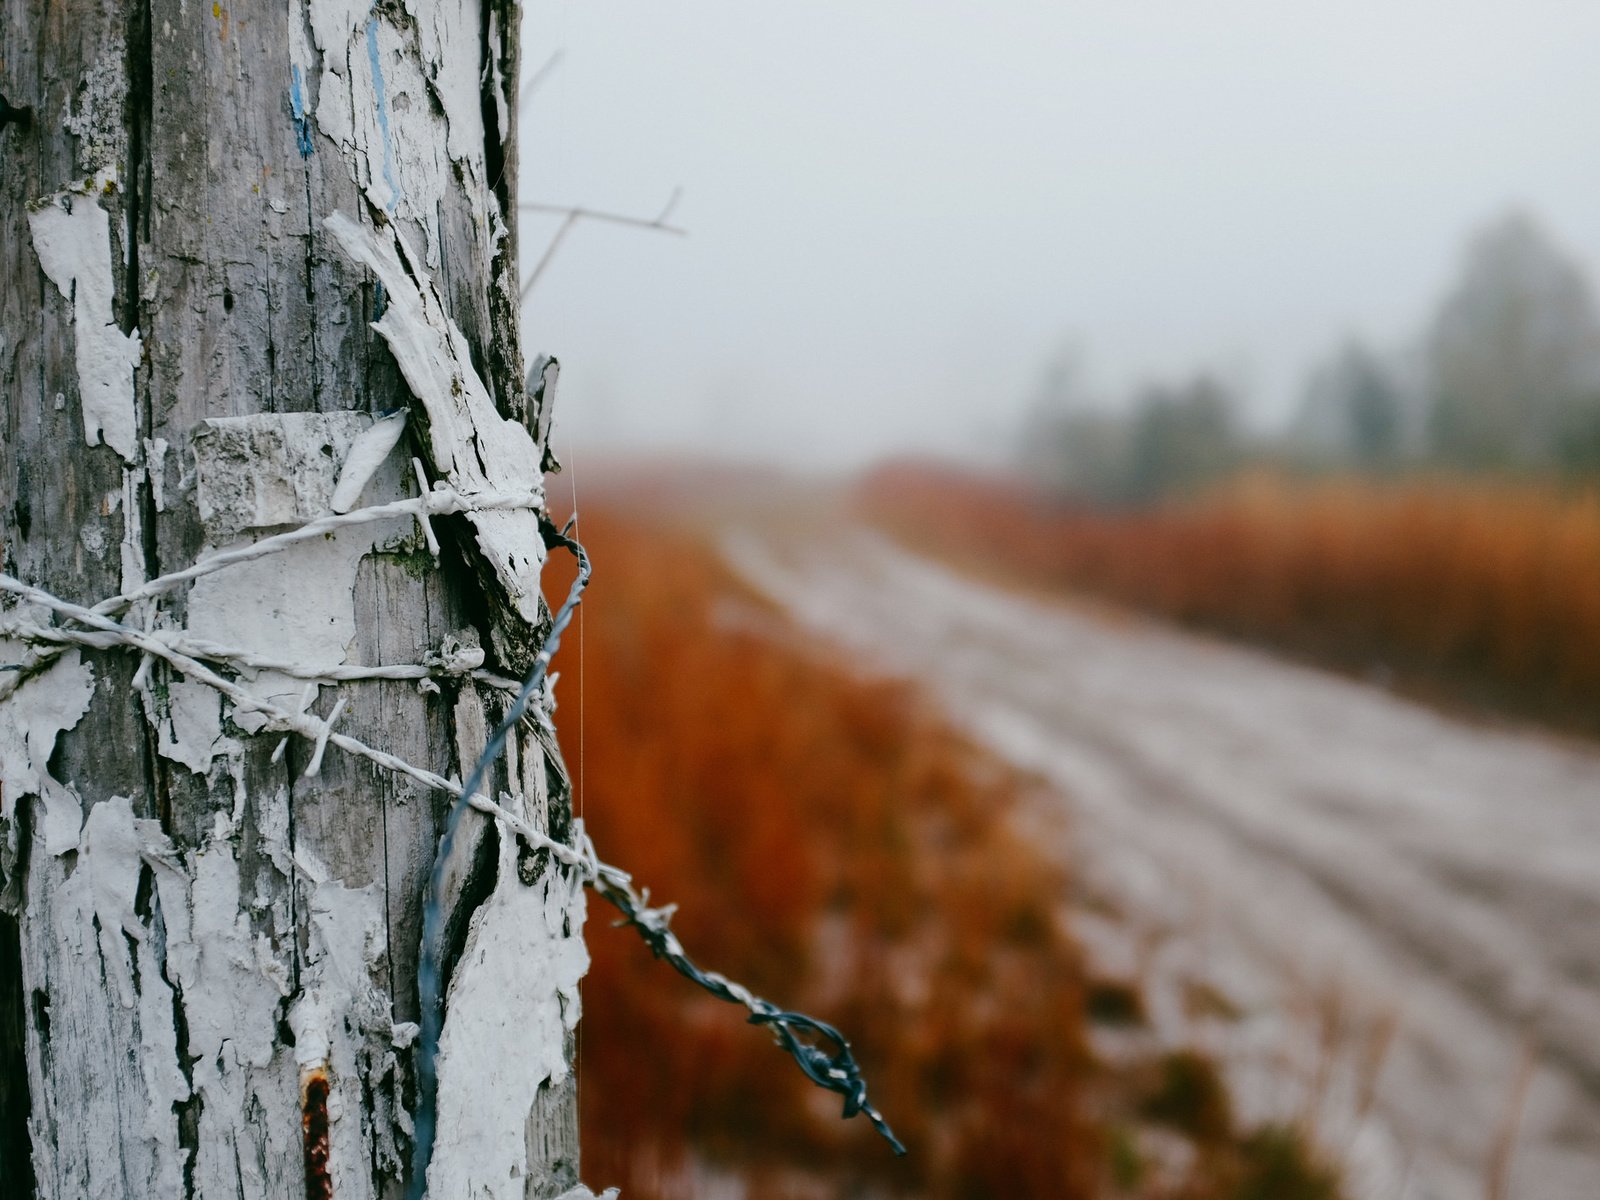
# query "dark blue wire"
(430, 967)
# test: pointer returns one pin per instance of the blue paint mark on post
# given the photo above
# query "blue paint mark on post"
(383, 116)
(297, 106)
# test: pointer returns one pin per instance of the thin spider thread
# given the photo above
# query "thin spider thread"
(583, 622)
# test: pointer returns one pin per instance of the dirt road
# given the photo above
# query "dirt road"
(1385, 921)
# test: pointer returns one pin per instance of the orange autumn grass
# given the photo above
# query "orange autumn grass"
(1476, 590)
(835, 847)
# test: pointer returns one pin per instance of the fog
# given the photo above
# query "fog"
(899, 211)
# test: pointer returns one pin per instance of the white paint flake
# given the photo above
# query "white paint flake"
(132, 545)
(155, 453)
(98, 962)
(72, 237)
(449, 35)
(512, 1000)
(31, 719)
(270, 469)
(108, 963)
(105, 882)
(365, 456)
(336, 1007)
(189, 730)
(164, 1081)
(476, 448)
(399, 97)
(333, 21)
(233, 983)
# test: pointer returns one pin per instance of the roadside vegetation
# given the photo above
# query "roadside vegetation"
(1478, 590)
(834, 845)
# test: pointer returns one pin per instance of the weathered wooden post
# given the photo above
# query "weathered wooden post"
(235, 240)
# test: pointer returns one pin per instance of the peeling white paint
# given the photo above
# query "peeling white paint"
(401, 103)
(108, 967)
(31, 719)
(512, 1000)
(164, 1081)
(272, 828)
(297, 605)
(72, 237)
(400, 95)
(119, 1069)
(189, 726)
(334, 21)
(270, 469)
(233, 982)
(155, 453)
(448, 31)
(106, 880)
(477, 448)
(336, 1009)
(132, 546)
(259, 472)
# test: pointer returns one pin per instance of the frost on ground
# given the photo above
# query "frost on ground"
(1382, 919)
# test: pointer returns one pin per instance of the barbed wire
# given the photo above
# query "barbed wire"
(837, 1071)
(821, 1051)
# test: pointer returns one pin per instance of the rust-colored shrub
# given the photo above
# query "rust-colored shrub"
(838, 848)
(828, 845)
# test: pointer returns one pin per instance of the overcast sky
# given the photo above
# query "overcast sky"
(899, 208)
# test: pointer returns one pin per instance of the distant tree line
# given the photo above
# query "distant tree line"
(1169, 437)
(1505, 377)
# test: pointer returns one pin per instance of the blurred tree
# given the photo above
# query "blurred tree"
(1182, 436)
(1354, 409)
(1513, 357)
(1070, 443)
(1067, 439)
(1169, 437)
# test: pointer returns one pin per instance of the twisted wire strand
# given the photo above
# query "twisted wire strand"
(835, 1070)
